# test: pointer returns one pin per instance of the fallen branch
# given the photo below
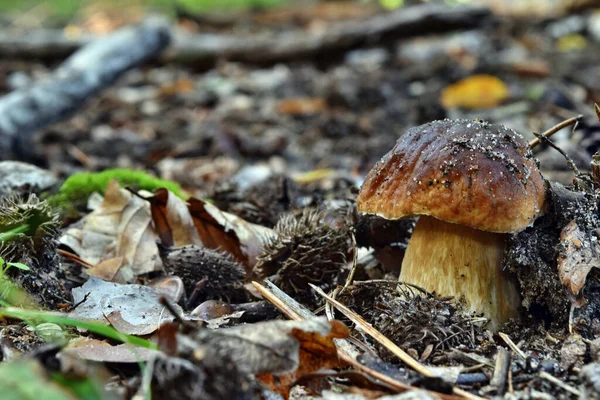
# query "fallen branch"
(295, 45)
(206, 49)
(86, 72)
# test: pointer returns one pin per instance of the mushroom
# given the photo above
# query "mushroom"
(471, 183)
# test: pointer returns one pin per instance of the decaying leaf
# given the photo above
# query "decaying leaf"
(475, 92)
(301, 106)
(287, 349)
(227, 232)
(580, 253)
(120, 227)
(316, 352)
(172, 220)
(99, 350)
(201, 223)
(131, 309)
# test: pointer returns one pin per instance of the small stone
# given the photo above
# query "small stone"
(572, 352)
(20, 177)
(590, 382)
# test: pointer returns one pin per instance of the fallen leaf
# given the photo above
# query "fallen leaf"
(475, 92)
(301, 106)
(110, 270)
(528, 9)
(281, 351)
(578, 256)
(572, 42)
(172, 219)
(131, 309)
(101, 351)
(228, 232)
(120, 227)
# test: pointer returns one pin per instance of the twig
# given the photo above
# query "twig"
(206, 49)
(350, 277)
(296, 311)
(500, 377)
(89, 70)
(570, 162)
(282, 301)
(383, 340)
(512, 345)
(559, 383)
(554, 129)
(178, 317)
(74, 257)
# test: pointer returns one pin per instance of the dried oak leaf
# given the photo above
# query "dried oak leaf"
(121, 226)
(580, 252)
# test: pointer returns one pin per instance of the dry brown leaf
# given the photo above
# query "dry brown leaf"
(301, 106)
(316, 352)
(120, 227)
(200, 223)
(228, 232)
(172, 220)
(109, 270)
(578, 256)
(475, 92)
(101, 351)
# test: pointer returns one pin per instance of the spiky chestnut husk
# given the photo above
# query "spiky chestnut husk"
(304, 250)
(413, 318)
(29, 229)
(222, 276)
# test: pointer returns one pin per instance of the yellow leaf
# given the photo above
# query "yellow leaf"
(475, 92)
(571, 42)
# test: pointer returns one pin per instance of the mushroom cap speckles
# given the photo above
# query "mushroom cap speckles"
(466, 172)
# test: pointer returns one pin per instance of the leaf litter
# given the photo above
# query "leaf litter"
(241, 139)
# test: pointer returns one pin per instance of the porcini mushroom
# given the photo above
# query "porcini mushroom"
(471, 183)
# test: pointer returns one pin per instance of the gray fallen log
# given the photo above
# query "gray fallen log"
(89, 70)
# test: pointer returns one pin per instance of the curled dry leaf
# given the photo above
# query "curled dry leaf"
(120, 227)
(219, 229)
(172, 220)
(201, 223)
(280, 352)
(579, 254)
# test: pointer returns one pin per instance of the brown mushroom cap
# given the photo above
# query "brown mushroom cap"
(466, 172)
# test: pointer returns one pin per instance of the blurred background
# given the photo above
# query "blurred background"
(308, 88)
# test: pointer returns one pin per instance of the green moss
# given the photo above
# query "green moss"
(78, 187)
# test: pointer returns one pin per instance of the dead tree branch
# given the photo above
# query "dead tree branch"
(86, 72)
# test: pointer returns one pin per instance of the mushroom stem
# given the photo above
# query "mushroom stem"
(455, 260)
